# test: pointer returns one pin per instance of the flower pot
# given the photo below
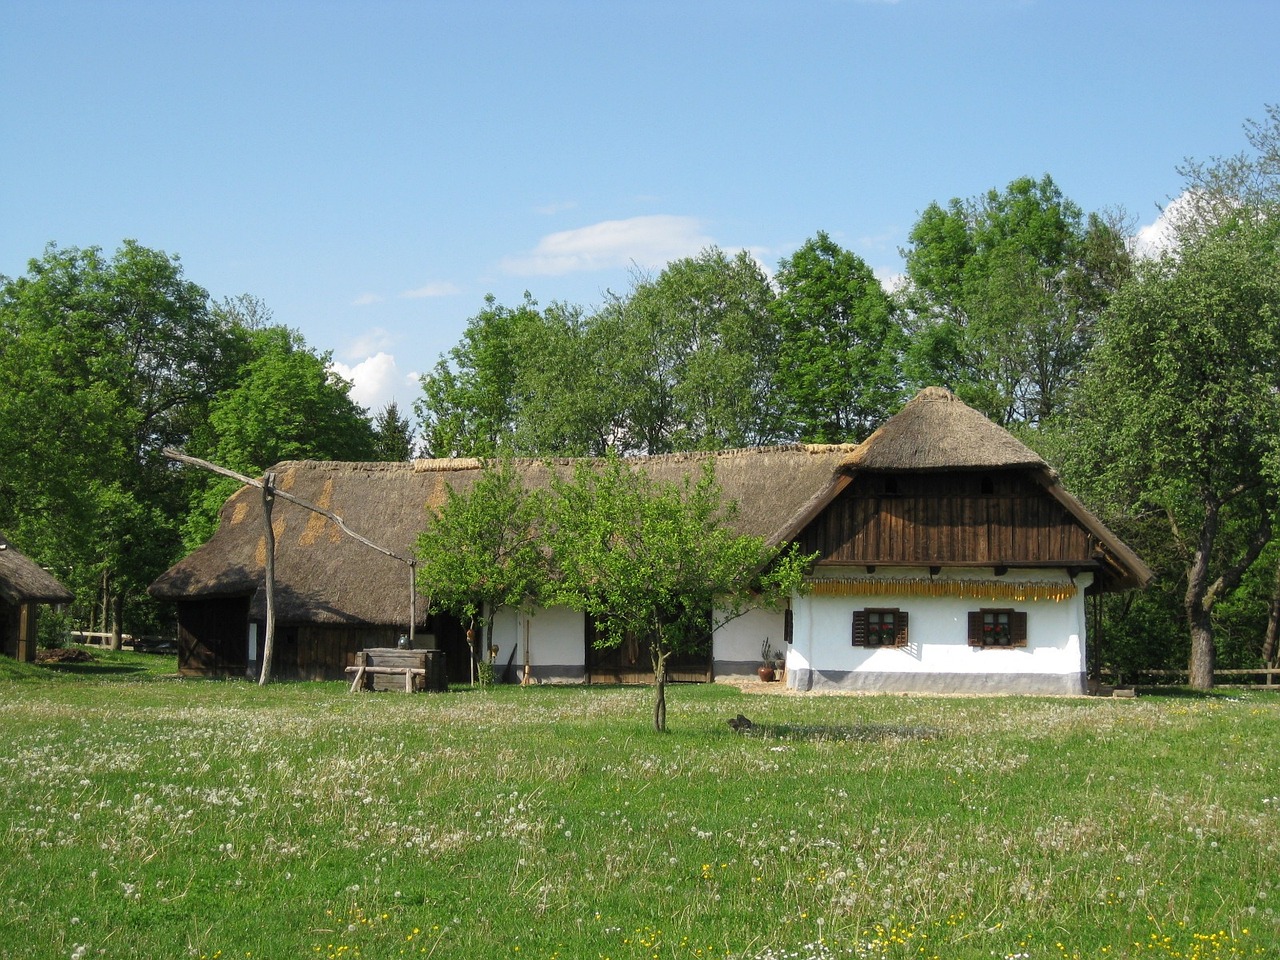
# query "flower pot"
(765, 674)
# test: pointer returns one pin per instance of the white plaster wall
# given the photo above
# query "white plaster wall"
(556, 639)
(938, 631)
(735, 647)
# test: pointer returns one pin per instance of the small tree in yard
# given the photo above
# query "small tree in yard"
(480, 553)
(654, 559)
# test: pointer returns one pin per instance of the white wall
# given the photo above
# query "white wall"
(736, 646)
(938, 656)
(555, 639)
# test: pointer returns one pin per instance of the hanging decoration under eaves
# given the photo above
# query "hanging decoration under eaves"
(930, 587)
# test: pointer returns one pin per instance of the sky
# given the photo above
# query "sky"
(372, 170)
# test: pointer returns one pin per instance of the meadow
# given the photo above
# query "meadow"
(146, 816)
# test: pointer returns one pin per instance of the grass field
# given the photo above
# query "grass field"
(146, 816)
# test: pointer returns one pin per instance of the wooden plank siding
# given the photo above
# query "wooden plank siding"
(213, 637)
(994, 519)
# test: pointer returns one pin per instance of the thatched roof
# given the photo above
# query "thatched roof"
(22, 580)
(937, 431)
(323, 576)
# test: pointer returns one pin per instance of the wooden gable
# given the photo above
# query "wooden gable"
(958, 518)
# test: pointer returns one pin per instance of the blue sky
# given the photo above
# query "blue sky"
(371, 170)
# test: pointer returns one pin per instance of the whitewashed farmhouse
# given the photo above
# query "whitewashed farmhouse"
(950, 559)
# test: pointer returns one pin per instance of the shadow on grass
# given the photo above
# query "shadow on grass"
(1187, 693)
(97, 669)
(856, 732)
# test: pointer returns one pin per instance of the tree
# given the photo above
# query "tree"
(658, 560)
(103, 362)
(1219, 188)
(286, 404)
(481, 552)
(697, 351)
(839, 354)
(1179, 413)
(1003, 294)
(469, 402)
(392, 435)
(571, 397)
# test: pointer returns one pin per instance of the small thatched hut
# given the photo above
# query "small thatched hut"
(24, 585)
(950, 558)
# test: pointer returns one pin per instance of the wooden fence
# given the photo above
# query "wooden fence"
(97, 638)
(1254, 678)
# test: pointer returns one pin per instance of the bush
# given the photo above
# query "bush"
(53, 632)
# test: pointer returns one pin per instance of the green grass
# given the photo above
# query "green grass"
(146, 816)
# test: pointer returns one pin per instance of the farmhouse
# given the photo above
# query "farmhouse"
(24, 585)
(950, 558)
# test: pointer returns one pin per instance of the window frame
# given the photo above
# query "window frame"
(864, 629)
(980, 628)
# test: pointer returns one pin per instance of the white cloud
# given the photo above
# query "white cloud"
(891, 279)
(1161, 236)
(365, 299)
(375, 381)
(434, 288)
(371, 341)
(650, 241)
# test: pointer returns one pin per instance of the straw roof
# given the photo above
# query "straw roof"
(937, 431)
(324, 576)
(22, 580)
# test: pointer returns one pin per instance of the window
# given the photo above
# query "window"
(879, 628)
(997, 628)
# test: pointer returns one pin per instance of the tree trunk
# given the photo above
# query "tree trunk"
(269, 641)
(117, 621)
(1200, 669)
(1198, 605)
(1270, 654)
(660, 688)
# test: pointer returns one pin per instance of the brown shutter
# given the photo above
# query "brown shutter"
(1018, 627)
(900, 637)
(859, 628)
(788, 625)
(975, 628)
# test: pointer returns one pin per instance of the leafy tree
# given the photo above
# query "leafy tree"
(286, 404)
(838, 360)
(103, 362)
(652, 559)
(392, 435)
(571, 393)
(1219, 188)
(480, 553)
(469, 402)
(697, 350)
(1003, 295)
(683, 361)
(1179, 414)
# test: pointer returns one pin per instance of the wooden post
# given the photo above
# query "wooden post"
(268, 642)
(413, 600)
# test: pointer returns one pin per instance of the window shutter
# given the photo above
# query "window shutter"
(788, 625)
(975, 627)
(1018, 627)
(859, 628)
(900, 637)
